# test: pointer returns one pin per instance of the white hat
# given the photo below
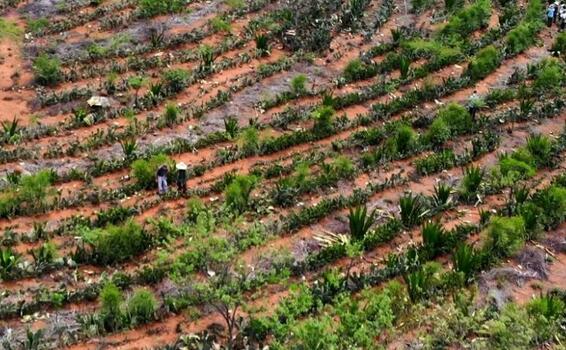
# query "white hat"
(181, 166)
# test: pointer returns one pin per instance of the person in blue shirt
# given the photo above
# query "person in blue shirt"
(550, 15)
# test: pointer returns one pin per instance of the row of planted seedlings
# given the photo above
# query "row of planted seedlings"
(204, 53)
(412, 212)
(324, 178)
(360, 118)
(42, 26)
(380, 90)
(308, 312)
(261, 39)
(83, 117)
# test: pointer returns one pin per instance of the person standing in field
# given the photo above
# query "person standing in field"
(551, 9)
(182, 178)
(473, 104)
(162, 173)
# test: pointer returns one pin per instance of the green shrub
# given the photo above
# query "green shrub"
(115, 244)
(145, 171)
(37, 26)
(550, 75)
(142, 306)
(520, 38)
(483, 63)
(238, 192)
(473, 177)
(540, 147)
(249, 141)
(195, 206)
(560, 43)
(504, 236)
(298, 84)
(323, 119)
(343, 167)
(469, 19)
(47, 70)
(219, 24)
(515, 169)
(403, 141)
(438, 133)
(9, 30)
(111, 307)
(357, 70)
(150, 8)
(552, 202)
(456, 117)
(176, 79)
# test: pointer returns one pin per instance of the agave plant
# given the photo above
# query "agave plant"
(129, 148)
(8, 262)
(360, 221)
(33, 340)
(39, 230)
(434, 237)
(11, 129)
(473, 177)
(262, 45)
(206, 54)
(44, 255)
(412, 209)
(549, 305)
(540, 147)
(404, 66)
(231, 126)
(465, 260)
(442, 196)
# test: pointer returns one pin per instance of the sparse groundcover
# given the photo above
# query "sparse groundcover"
(343, 188)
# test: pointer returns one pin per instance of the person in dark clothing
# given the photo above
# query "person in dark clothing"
(182, 178)
(162, 173)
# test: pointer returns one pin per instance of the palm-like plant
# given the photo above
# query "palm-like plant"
(404, 66)
(540, 147)
(231, 126)
(8, 262)
(360, 221)
(465, 260)
(262, 45)
(473, 177)
(412, 209)
(434, 237)
(129, 148)
(442, 196)
(11, 129)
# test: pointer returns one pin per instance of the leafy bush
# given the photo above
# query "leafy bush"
(438, 133)
(150, 8)
(469, 19)
(9, 29)
(323, 118)
(540, 147)
(520, 38)
(111, 312)
(115, 244)
(403, 141)
(298, 84)
(32, 192)
(504, 236)
(357, 70)
(552, 202)
(195, 206)
(550, 75)
(483, 63)
(144, 171)
(249, 141)
(142, 306)
(176, 79)
(360, 222)
(456, 117)
(238, 192)
(47, 70)
(514, 169)
(435, 162)
(560, 43)
(219, 24)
